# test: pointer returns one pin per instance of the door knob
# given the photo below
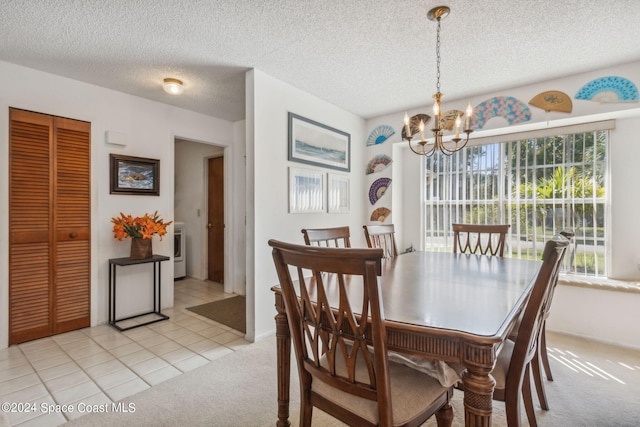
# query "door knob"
(209, 226)
(73, 235)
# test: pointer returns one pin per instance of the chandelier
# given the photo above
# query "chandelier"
(442, 121)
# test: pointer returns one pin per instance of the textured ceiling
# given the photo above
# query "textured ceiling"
(369, 57)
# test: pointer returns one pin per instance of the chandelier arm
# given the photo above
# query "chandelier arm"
(423, 153)
(449, 151)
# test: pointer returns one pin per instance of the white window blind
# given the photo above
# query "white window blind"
(541, 185)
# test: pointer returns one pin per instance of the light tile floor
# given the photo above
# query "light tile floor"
(101, 365)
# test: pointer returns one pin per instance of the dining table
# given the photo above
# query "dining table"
(457, 308)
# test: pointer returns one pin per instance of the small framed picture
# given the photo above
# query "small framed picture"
(134, 175)
(338, 193)
(306, 190)
(316, 144)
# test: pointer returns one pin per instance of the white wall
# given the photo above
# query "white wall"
(150, 128)
(580, 311)
(267, 187)
(191, 200)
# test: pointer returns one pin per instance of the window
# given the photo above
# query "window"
(540, 186)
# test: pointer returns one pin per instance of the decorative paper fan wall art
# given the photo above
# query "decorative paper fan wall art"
(378, 163)
(414, 124)
(508, 107)
(380, 214)
(552, 100)
(378, 188)
(380, 134)
(611, 89)
(450, 117)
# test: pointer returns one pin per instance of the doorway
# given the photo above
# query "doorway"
(191, 206)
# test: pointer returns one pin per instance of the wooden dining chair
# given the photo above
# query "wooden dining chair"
(512, 372)
(382, 236)
(329, 237)
(333, 317)
(543, 356)
(480, 239)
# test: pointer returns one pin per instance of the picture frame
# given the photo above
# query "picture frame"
(317, 144)
(134, 175)
(306, 190)
(338, 193)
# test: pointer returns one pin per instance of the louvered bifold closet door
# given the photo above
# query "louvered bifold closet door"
(30, 268)
(49, 223)
(72, 216)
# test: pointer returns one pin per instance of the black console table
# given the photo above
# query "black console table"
(157, 290)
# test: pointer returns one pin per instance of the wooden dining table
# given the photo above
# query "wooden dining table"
(452, 307)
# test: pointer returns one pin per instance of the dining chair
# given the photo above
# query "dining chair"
(512, 372)
(327, 236)
(480, 239)
(382, 236)
(542, 343)
(334, 316)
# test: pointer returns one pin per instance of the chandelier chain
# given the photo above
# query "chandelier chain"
(438, 58)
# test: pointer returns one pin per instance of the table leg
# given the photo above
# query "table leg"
(111, 268)
(283, 343)
(478, 385)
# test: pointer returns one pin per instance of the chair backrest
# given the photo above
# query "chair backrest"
(480, 239)
(329, 237)
(569, 257)
(533, 317)
(546, 308)
(382, 236)
(330, 344)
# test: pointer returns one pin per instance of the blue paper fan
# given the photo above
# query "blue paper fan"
(378, 188)
(610, 89)
(378, 163)
(380, 134)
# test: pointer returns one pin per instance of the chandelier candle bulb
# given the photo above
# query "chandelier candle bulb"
(421, 130)
(406, 126)
(469, 111)
(458, 127)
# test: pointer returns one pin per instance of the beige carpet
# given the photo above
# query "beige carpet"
(229, 311)
(595, 385)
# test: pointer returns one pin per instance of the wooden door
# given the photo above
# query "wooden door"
(215, 219)
(49, 223)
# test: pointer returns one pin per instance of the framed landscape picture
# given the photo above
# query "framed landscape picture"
(316, 144)
(134, 175)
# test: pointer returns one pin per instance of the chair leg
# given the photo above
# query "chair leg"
(306, 409)
(444, 416)
(537, 380)
(542, 348)
(528, 398)
(512, 409)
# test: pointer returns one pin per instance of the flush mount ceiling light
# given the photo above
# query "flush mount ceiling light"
(173, 86)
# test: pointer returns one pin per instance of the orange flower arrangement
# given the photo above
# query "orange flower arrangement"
(141, 227)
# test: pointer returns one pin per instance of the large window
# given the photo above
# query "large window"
(540, 186)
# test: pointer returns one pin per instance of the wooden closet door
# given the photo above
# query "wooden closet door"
(72, 219)
(49, 223)
(30, 287)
